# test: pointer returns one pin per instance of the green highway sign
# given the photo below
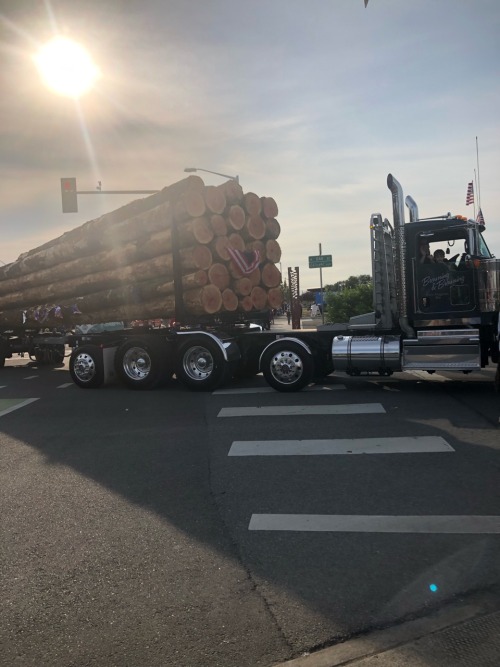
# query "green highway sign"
(320, 261)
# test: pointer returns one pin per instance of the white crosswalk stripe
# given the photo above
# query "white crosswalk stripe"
(290, 410)
(270, 390)
(334, 523)
(356, 523)
(342, 446)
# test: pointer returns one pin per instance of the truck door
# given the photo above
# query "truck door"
(444, 290)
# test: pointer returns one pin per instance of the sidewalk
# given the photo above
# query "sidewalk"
(280, 322)
(465, 633)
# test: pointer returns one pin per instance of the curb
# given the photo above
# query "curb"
(472, 606)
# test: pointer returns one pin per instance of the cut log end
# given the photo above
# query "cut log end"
(229, 300)
(252, 203)
(270, 275)
(269, 207)
(206, 300)
(236, 217)
(219, 275)
(275, 297)
(259, 298)
(215, 199)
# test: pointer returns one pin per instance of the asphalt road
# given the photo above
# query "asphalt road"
(135, 532)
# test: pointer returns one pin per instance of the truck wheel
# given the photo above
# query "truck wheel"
(141, 364)
(86, 367)
(201, 365)
(287, 366)
(2, 361)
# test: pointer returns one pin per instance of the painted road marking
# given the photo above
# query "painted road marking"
(269, 390)
(66, 384)
(400, 445)
(3, 386)
(10, 404)
(290, 410)
(30, 377)
(334, 523)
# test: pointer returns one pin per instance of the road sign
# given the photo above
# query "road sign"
(320, 261)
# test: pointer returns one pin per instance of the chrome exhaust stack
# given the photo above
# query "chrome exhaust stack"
(399, 221)
(412, 207)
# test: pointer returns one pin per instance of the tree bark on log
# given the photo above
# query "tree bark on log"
(101, 226)
(158, 244)
(160, 267)
(144, 225)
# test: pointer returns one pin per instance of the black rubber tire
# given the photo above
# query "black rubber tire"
(201, 365)
(142, 364)
(287, 366)
(2, 361)
(86, 367)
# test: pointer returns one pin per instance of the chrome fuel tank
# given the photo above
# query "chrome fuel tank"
(366, 354)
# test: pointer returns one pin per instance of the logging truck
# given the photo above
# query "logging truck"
(427, 316)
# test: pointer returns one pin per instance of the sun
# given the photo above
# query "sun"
(66, 67)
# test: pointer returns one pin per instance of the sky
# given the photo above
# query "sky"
(313, 103)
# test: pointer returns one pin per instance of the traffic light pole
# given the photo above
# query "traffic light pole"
(69, 194)
(116, 192)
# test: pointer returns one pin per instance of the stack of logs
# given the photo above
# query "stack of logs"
(121, 265)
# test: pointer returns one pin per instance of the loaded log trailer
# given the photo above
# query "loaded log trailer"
(428, 316)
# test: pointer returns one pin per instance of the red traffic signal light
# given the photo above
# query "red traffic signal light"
(68, 195)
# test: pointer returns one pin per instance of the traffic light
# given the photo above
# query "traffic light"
(68, 195)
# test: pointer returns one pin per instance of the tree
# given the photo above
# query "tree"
(353, 296)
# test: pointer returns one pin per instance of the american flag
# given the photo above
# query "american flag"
(470, 194)
(480, 218)
(247, 261)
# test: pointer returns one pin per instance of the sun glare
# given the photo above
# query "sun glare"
(66, 67)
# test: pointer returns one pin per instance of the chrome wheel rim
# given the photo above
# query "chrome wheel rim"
(198, 363)
(84, 367)
(137, 363)
(286, 367)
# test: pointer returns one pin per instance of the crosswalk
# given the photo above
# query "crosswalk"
(347, 447)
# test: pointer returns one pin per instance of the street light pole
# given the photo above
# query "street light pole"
(190, 170)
